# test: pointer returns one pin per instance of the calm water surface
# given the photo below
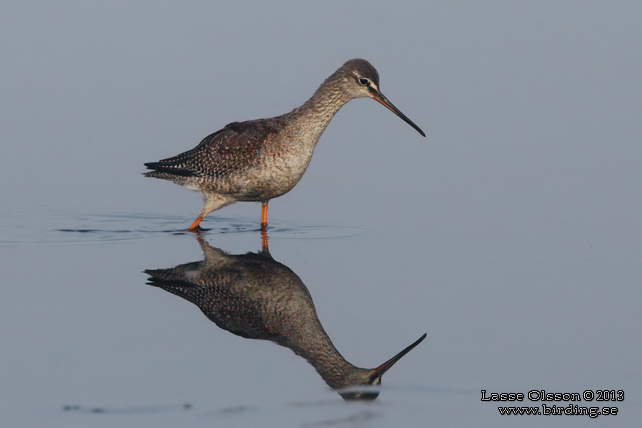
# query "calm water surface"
(88, 342)
(511, 235)
(98, 342)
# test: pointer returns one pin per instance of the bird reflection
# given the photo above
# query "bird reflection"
(256, 297)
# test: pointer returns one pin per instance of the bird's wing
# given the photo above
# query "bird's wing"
(234, 147)
(220, 294)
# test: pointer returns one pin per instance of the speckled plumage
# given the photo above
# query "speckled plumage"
(255, 297)
(259, 160)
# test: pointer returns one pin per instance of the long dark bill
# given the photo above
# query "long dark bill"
(378, 96)
(379, 371)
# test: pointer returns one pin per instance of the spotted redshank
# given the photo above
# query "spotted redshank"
(256, 297)
(262, 159)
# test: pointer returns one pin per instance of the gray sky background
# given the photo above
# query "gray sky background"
(526, 104)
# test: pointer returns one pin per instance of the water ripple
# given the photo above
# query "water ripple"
(64, 229)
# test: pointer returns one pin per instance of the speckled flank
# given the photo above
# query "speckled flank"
(259, 160)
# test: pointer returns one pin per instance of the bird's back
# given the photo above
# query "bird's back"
(236, 147)
(250, 295)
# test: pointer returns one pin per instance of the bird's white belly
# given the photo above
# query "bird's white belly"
(193, 186)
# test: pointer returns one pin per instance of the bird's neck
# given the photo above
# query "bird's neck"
(319, 351)
(336, 372)
(316, 113)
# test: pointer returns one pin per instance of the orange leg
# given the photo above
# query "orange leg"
(195, 224)
(264, 215)
(264, 240)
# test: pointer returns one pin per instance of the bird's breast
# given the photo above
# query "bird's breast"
(278, 173)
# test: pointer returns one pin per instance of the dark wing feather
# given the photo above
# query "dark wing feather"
(216, 296)
(232, 148)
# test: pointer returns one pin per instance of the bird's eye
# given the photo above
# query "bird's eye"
(363, 81)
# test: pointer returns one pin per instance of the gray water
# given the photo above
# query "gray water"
(511, 235)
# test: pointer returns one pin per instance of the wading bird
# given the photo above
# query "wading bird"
(259, 160)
